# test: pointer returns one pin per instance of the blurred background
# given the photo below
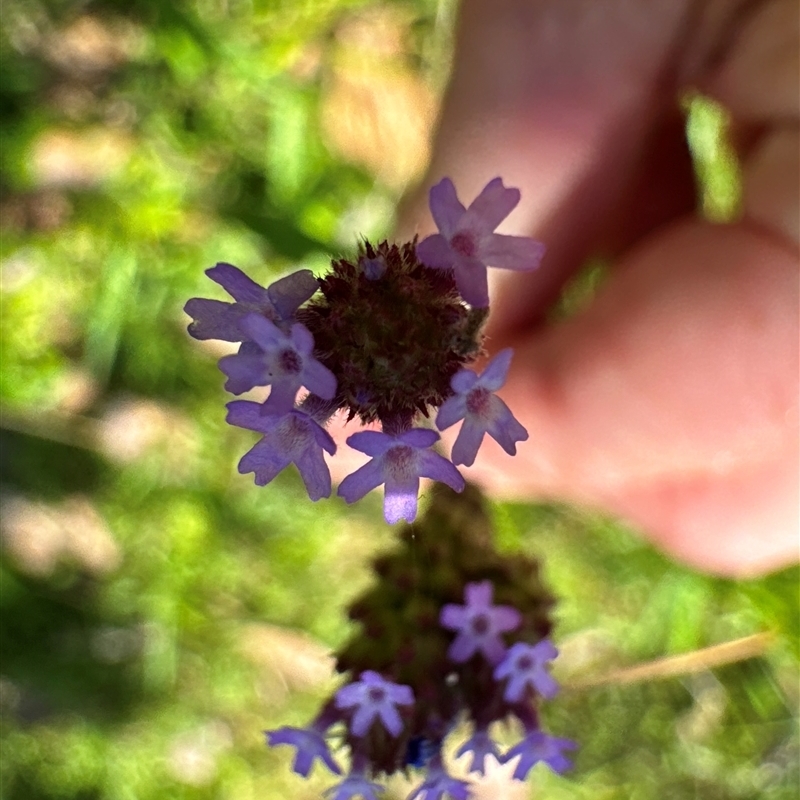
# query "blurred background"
(159, 610)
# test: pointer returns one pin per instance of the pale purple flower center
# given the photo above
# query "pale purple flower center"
(464, 244)
(478, 400)
(399, 459)
(480, 624)
(376, 695)
(289, 362)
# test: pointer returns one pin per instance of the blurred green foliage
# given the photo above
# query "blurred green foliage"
(158, 610)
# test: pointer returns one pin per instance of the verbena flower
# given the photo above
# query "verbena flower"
(538, 746)
(398, 462)
(481, 745)
(466, 242)
(284, 362)
(293, 437)
(525, 666)
(310, 744)
(481, 410)
(354, 785)
(479, 624)
(215, 319)
(373, 697)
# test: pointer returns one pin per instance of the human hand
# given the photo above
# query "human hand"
(672, 401)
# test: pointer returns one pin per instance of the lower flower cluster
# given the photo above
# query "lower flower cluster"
(386, 337)
(423, 665)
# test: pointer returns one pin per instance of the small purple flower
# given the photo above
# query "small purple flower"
(479, 624)
(373, 267)
(354, 785)
(466, 242)
(398, 462)
(374, 697)
(439, 785)
(291, 438)
(283, 362)
(310, 744)
(215, 319)
(525, 665)
(481, 410)
(538, 746)
(481, 745)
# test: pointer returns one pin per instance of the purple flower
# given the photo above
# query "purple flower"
(481, 410)
(283, 362)
(310, 744)
(374, 697)
(373, 267)
(538, 746)
(466, 242)
(398, 462)
(439, 785)
(215, 319)
(479, 624)
(523, 666)
(354, 785)
(291, 438)
(481, 745)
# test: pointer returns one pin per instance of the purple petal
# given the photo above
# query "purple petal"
(237, 284)
(373, 443)
(302, 339)
(452, 617)
(451, 411)
(318, 379)
(390, 719)
(505, 618)
(265, 461)
(470, 274)
(504, 428)
(490, 208)
(479, 595)
(324, 439)
(399, 693)
(400, 499)
(446, 209)
(511, 252)
(214, 319)
(362, 481)
(419, 437)
(462, 648)
(350, 695)
(435, 252)
(438, 468)
(315, 473)
(493, 649)
(362, 720)
(544, 650)
(494, 374)
(287, 294)
(243, 371)
(281, 397)
(262, 331)
(467, 443)
(246, 414)
(545, 684)
(463, 381)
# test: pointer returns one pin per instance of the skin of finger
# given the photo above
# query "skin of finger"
(682, 374)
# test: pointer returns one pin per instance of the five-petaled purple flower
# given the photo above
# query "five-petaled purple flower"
(525, 665)
(479, 624)
(354, 785)
(466, 242)
(215, 319)
(481, 745)
(310, 744)
(291, 438)
(481, 410)
(398, 462)
(439, 785)
(374, 697)
(538, 746)
(283, 362)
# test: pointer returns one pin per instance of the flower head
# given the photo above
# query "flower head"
(481, 745)
(373, 697)
(481, 410)
(398, 462)
(215, 319)
(283, 362)
(354, 785)
(291, 438)
(479, 624)
(525, 666)
(466, 242)
(538, 746)
(310, 744)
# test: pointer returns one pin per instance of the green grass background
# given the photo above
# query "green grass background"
(158, 610)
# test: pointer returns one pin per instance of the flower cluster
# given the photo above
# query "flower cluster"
(386, 337)
(424, 663)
